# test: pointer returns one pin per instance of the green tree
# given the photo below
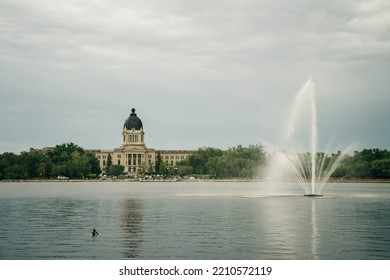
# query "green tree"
(244, 162)
(184, 170)
(116, 170)
(10, 168)
(199, 159)
(150, 169)
(45, 168)
(66, 159)
(216, 167)
(381, 168)
(72, 161)
(108, 163)
(365, 164)
(163, 169)
(158, 163)
(236, 162)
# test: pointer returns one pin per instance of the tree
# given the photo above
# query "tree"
(93, 166)
(381, 168)
(199, 159)
(116, 170)
(184, 170)
(215, 167)
(244, 162)
(163, 169)
(158, 163)
(66, 159)
(72, 161)
(108, 163)
(45, 169)
(236, 162)
(366, 164)
(150, 169)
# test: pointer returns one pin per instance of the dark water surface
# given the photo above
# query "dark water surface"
(200, 220)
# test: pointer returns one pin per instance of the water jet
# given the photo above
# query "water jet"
(311, 169)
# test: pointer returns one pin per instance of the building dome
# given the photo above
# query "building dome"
(133, 122)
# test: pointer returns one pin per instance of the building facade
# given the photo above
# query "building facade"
(133, 153)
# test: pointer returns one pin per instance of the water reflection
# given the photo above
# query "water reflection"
(132, 216)
(314, 230)
(218, 224)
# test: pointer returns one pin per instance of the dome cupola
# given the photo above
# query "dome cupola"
(133, 122)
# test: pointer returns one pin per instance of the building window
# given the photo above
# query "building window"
(119, 162)
(133, 138)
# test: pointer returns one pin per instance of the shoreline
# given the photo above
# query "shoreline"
(333, 181)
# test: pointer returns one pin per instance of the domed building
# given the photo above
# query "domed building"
(133, 153)
(133, 122)
(133, 131)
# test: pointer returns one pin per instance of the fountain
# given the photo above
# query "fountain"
(312, 170)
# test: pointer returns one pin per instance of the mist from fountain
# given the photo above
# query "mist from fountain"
(312, 170)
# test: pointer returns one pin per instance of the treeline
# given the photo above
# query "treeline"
(73, 161)
(236, 162)
(365, 164)
(249, 162)
(67, 160)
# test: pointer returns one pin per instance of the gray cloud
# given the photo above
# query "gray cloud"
(204, 73)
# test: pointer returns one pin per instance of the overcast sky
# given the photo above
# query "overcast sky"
(199, 73)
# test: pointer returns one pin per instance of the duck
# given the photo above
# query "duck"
(94, 232)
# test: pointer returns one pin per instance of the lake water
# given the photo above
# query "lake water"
(193, 220)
